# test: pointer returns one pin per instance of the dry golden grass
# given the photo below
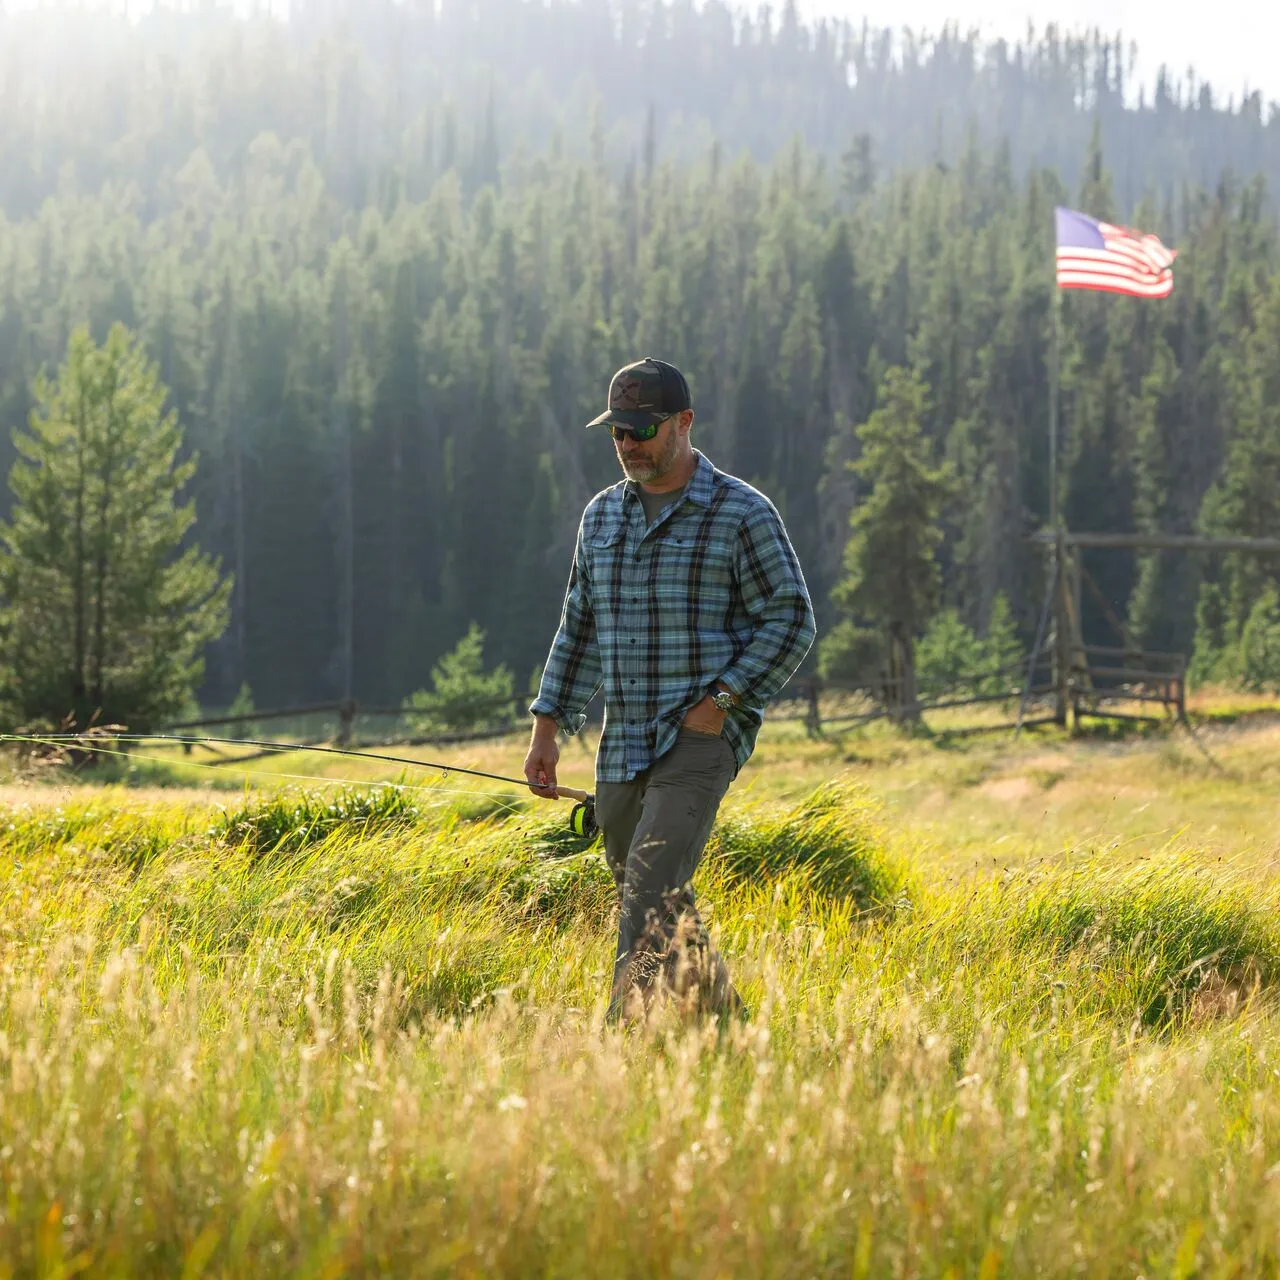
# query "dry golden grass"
(1013, 1014)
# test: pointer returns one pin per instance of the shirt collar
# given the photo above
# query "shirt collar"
(701, 486)
(703, 482)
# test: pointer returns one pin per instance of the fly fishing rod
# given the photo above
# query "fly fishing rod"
(582, 819)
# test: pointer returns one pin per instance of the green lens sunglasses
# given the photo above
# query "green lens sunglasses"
(639, 434)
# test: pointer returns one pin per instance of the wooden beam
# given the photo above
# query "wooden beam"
(973, 730)
(287, 713)
(1160, 542)
(1122, 715)
(1111, 651)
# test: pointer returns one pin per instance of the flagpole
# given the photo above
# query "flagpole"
(1055, 377)
(1088, 254)
(1061, 662)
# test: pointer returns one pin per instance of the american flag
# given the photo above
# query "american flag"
(1096, 255)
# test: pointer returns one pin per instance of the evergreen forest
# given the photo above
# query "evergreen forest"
(387, 255)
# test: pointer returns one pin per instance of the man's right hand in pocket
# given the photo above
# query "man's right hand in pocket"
(544, 755)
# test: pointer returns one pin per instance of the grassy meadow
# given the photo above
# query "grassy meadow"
(1012, 1013)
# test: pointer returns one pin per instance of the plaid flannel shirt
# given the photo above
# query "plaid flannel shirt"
(711, 593)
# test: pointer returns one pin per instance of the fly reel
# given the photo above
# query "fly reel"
(582, 821)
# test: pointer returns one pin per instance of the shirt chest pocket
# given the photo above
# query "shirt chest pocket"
(696, 563)
(604, 548)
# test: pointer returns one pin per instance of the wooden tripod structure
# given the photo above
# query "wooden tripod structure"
(1148, 676)
(1135, 675)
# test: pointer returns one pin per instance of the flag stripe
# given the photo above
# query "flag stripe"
(1097, 255)
(1104, 256)
(1107, 266)
(1115, 284)
(1102, 285)
(1116, 266)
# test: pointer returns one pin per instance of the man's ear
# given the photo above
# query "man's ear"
(685, 421)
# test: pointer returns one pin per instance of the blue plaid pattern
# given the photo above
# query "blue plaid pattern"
(712, 592)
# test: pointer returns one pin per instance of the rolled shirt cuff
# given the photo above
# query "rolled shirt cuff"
(567, 722)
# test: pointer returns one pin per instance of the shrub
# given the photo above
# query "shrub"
(463, 697)
(289, 822)
(1003, 655)
(1259, 660)
(833, 836)
(1139, 940)
(949, 658)
(1247, 655)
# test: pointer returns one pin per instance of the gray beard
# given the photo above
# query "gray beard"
(641, 472)
(649, 471)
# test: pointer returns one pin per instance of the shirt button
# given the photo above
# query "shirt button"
(633, 682)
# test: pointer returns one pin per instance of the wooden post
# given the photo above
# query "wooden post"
(1061, 633)
(1078, 666)
(1077, 609)
(346, 718)
(813, 717)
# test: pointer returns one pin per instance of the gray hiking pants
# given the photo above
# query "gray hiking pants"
(655, 829)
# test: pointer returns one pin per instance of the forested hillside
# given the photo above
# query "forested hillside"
(390, 94)
(384, 318)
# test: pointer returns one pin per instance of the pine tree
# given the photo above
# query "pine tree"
(463, 696)
(1003, 656)
(399, 357)
(1259, 660)
(891, 566)
(949, 658)
(105, 615)
(1210, 659)
(1245, 500)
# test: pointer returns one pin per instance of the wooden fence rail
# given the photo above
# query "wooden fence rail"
(1093, 680)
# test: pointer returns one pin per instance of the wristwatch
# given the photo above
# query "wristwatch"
(723, 700)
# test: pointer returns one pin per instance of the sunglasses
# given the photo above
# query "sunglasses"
(638, 434)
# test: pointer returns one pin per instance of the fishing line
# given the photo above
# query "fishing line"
(434, 788)
(56, 739)
(582, 820)
(503, 805)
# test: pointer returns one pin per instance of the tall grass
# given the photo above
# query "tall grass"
(369, 1043)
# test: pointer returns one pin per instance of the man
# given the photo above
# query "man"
(687, 603)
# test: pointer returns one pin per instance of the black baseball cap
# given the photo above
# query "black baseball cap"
(643, 393)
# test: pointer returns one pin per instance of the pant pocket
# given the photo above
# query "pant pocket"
(704, 759)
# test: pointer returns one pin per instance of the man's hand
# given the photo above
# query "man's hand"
(544, 755)
(704, 717)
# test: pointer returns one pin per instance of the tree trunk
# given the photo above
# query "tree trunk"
(78, 678)
(231, 410)
(344, 532)
(903, 699)
(240, 589)
(102, 559)
(347, 558)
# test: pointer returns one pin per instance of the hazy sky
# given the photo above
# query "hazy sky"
(1231, 43)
